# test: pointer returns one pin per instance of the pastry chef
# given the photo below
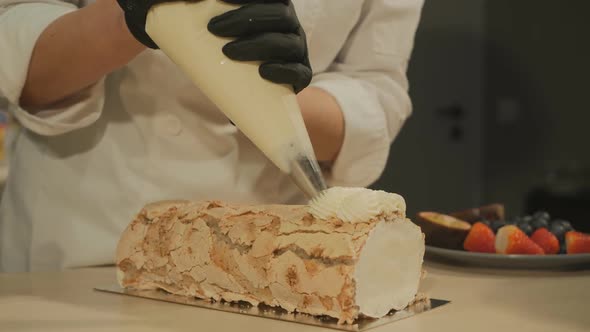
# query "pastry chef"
(109, 123)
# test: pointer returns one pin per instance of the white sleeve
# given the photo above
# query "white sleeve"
(368, 80)
(21, 24)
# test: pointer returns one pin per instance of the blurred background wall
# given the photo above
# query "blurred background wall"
(501, 106)
(536, 106)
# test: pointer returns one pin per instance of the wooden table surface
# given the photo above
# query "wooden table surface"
(482, 300)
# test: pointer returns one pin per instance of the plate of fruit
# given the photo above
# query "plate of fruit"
(485, 237)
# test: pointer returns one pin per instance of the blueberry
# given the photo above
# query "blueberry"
(512, 221)
(526, 219)
(559, 231)
(566, 224)
(542, 215)
(497, 224)
(486, 222)
(540, 223)
(525, 227)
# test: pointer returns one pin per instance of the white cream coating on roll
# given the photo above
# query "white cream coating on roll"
(356, 204)
(389, 269)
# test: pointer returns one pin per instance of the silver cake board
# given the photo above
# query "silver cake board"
(268, 312)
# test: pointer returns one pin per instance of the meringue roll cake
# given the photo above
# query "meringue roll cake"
(351, 252)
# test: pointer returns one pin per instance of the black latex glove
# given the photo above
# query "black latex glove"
(265, 30)
(135, 16)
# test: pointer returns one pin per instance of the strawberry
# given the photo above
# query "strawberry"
(577, 243)
(481, 238)
(546, 240)
(512, 241)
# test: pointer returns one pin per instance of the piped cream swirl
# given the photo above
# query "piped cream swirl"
(356, 204)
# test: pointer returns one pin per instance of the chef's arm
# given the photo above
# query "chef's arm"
(76, 51)
(324, 121)
(368, 83)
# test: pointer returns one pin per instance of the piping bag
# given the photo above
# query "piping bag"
(267, 113)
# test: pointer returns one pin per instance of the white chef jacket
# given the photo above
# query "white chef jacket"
(82, 169)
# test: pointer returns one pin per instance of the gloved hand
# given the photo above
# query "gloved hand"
(264, 30)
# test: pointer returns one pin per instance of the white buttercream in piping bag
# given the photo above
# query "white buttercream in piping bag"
(356, 204)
